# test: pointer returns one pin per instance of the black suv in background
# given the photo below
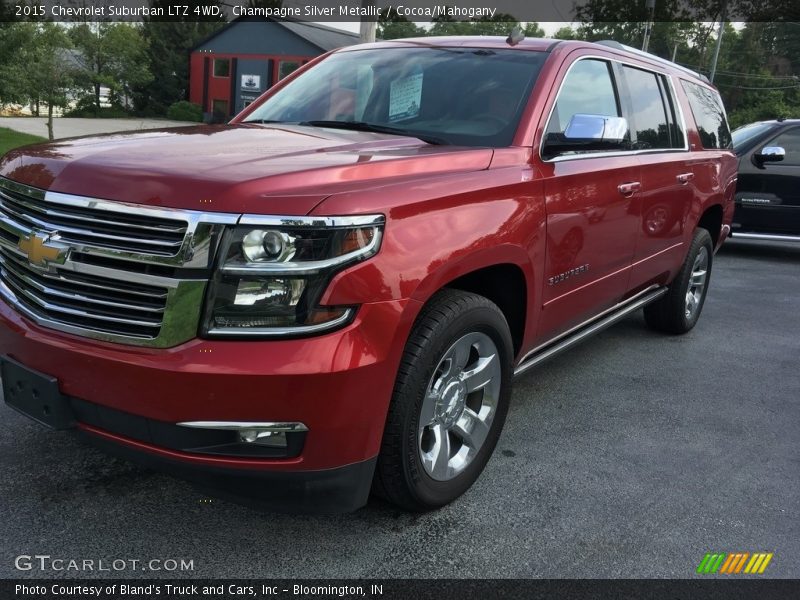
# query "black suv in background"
(768, 189)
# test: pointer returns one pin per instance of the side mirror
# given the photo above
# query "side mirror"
(596, 128)
(769, 154)
(586, 133)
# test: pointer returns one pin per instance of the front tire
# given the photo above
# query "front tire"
(678, 311)
(449, 402)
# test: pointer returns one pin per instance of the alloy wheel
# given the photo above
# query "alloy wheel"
(697, 283)
(459, 406)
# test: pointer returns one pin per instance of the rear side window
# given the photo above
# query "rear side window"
(709, 116)
(653, 118)
(587, 89)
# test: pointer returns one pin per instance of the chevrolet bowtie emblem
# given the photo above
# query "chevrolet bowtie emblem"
(41, 250)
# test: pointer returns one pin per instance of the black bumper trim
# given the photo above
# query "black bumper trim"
(328, 491)
(182, 439)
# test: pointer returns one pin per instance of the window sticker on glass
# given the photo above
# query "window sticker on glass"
(404, 97)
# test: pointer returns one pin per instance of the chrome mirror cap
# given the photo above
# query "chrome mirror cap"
(771, 154)
(600, 128)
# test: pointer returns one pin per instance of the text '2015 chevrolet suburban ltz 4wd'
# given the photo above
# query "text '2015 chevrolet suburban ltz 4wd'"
(332, 293)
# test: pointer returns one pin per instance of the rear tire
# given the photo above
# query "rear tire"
(449, 402)
(678, 311)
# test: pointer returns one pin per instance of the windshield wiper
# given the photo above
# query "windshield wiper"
(374, 128)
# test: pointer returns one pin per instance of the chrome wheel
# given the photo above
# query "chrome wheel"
(697, 283)
(459, 406)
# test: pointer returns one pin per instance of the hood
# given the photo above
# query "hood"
(269, 169)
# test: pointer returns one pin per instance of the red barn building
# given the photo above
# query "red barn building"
(238, 63)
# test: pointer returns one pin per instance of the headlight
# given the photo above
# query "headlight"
(273, 271)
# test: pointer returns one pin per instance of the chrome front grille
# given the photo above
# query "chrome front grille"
(79, 222)
(105, 270)
(85, 300)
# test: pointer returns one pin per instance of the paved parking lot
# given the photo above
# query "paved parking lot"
(631, 456)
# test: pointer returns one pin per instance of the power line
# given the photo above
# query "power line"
(732, 73)
(744, 87)
(754, 76)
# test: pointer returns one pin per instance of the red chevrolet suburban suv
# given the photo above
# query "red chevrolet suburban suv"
(332, 293)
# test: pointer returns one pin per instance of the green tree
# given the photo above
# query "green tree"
(758, 73)
(113, 55)
(44, 68)
(501, 24)
(168, 47)
(13, 37)
(566, 33)
(532, 30)
(129, 66)
(397, 26)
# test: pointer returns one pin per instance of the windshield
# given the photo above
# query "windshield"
(462, 96)
(747, 132)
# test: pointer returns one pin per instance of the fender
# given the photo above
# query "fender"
(425, 249)
(504, 254)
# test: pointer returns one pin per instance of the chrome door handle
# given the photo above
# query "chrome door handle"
(628, 189)
(685, 178)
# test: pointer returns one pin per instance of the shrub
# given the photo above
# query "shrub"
(106, 112)
(85, 108)
(185, 111)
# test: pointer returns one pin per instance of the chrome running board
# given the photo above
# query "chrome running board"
(587, 329)
(769, 237)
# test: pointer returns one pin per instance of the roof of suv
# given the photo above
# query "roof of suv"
(472, 41)
(531, 44)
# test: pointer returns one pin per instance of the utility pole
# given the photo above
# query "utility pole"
(368, 24)
(719, 41)
(650, 5)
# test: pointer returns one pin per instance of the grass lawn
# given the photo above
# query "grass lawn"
(11, 139)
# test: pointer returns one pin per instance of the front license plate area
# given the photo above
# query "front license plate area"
(35, 395)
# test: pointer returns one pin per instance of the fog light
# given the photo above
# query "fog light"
(254, 439)
(273, 439)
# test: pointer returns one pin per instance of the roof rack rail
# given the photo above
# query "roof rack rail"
(653, 57)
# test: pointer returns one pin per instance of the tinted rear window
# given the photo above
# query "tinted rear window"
(709, 115)
(649, 109)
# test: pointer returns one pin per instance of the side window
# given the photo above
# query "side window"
(287, 67)
(709, 116)
(587, 89)
(222, 67)
(676, 129)
(790, 142)
(650, 110)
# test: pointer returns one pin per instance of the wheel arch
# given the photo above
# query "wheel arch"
(503, 275)
(711, 220)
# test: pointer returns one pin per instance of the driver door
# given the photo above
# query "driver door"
(589, 201)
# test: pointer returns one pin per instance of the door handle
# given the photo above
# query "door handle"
(685, 178)
(629, 189)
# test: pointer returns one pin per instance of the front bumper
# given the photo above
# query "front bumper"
(339, 385)
(327, 491)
